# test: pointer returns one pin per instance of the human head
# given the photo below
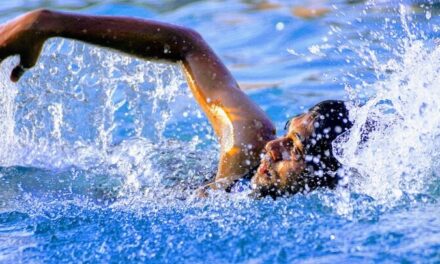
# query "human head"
(303, 159)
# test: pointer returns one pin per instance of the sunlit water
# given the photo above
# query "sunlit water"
(100, 152)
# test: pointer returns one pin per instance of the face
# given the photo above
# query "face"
(283, 160)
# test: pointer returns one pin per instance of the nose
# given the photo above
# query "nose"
(276, 147)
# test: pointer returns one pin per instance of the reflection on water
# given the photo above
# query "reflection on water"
(100, 151)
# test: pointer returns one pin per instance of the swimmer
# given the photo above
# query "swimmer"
(299, 161)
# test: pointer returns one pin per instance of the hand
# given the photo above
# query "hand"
(20, 37)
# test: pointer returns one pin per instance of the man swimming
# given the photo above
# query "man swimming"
(302, 160)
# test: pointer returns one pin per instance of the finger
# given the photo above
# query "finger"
(17, 72)
(28, 59)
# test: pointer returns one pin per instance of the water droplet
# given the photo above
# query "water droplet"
(428, 14)
(279, 26)
(166, 49)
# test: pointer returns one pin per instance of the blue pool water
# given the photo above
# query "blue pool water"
(100, 152)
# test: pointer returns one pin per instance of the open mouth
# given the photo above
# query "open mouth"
(264, 168)
(266, 172)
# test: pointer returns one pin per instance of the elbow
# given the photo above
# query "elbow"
(37, 19)
(192, 42)
(31, 22)
(194, 35)
(40, 13)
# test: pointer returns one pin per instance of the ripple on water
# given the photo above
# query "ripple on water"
(100, 151)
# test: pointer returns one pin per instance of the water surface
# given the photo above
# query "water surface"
(100, 151)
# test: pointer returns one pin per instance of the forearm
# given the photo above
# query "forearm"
(141, 38)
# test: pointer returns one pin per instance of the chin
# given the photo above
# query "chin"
(267, 185)
(283, 180)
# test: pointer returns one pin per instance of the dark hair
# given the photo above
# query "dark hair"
(330, 120)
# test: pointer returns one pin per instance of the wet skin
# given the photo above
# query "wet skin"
(243, 129)
(283, 163)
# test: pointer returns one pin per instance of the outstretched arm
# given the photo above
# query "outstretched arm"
(242, 127)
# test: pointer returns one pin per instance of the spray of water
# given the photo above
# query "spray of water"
(392, 150)
(96, 121)
(90, 121)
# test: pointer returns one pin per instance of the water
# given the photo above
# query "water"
(100, 151)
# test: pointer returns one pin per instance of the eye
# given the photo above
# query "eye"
(297, 147)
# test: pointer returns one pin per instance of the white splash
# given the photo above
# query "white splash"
(394, 144)
(99, 112)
